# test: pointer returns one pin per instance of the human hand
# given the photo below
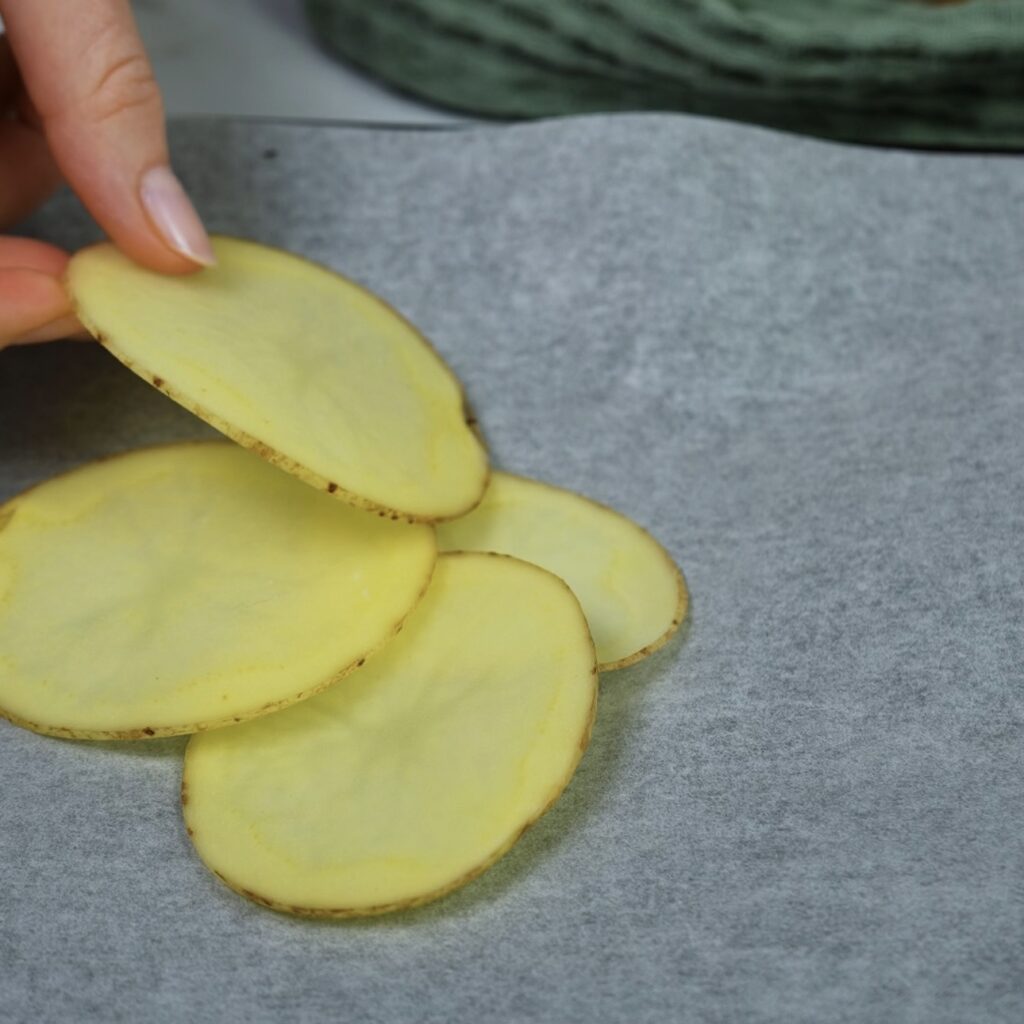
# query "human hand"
(78, 100)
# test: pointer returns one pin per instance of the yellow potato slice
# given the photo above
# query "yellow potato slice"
(306, 368)
(633, 594)
(189, 586)
(420, 770)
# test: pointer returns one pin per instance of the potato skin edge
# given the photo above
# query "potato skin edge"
(681, 615)
(682, 609)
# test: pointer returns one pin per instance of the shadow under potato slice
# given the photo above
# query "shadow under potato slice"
(420, 771)
(632, 593)
(188, 586)
(299, 364)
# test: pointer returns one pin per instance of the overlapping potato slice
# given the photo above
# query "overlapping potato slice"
(305, 367)
(418, 771)
(179, 588)
(632, 592)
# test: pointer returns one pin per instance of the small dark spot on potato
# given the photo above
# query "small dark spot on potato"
(148, 732)
(360, 663)
(332, 487)
(158, 382)
(188, 829)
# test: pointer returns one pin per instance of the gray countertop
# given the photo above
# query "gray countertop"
(801, 365)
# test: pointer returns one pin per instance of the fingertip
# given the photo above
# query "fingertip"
(33, 306)
(175, 219)
(63, 328)
(170, 239)
(103, 119)
(24, 291)
(151, 254)
(30, 254)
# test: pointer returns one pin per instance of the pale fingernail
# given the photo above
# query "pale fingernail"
(174, 216)
(62, 327)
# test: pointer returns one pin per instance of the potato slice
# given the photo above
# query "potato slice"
(633, 594)
(306, 368)
(184, 587)
(420, 770)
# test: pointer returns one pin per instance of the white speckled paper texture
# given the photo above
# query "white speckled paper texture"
(802, 367)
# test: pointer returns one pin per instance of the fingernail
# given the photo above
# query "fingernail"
(174, 216)
(62, 327)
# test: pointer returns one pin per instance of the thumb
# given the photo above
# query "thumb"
(90, 82)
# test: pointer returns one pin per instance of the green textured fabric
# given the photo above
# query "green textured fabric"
(884, 71)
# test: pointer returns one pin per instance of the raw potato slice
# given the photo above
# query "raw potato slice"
(633, 594)
(306, 368)
(184, 587)
(419, 771)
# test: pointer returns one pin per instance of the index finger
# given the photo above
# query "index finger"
(86, 71)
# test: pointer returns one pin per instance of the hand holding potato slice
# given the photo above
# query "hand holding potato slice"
(417, 772)
(190, 586)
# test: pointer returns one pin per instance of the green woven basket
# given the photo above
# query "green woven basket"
(885, 71)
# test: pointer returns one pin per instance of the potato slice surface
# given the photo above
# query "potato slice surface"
(632, 593)
(418, 771)
(303, 366)
(183, 587)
